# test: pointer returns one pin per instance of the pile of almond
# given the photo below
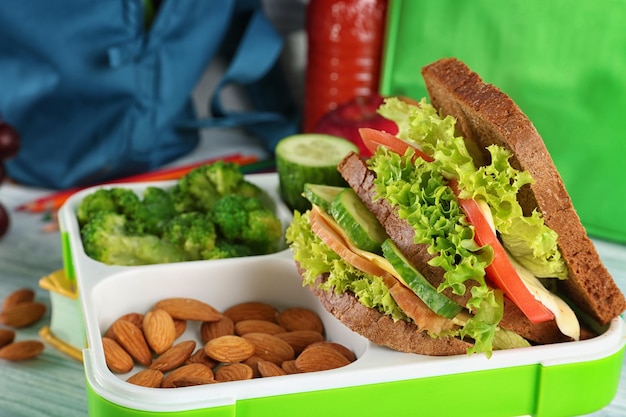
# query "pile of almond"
(248, 340)
(19, 309)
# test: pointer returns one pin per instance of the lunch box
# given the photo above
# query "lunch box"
(564, 379)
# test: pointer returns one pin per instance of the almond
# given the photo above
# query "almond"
(200, 356)
(6, 336)
(18, 296)
(320, 357)
(298, 318)
(159, 330)
(300, 339)
(192, 380)
(234, 372)
(270, 348)
(174, 356)
(253, 363)
(251, 311)
(257, 326)
(189, 309)
(135, 318)
(192, 374)
(229, 348)
(181, 326)
(150, 378)
(269, 369)
(22, 314)
(131, 338)
(290, 367)
(19, 351)
(116, 358)
(339, 348)
(212, 329)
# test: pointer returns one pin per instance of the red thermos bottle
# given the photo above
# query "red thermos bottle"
(344, 53)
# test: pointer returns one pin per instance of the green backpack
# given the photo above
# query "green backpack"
(563, 63)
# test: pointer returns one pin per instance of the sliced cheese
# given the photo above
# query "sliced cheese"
(564, 316)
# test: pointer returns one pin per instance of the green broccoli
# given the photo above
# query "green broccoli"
(153, 212)
(211, 213)
(203, 186)
(106, 238)
(245, 220)
(248, 189)
(225, 249)
(192, 232)
(116, 200)
(225, 176)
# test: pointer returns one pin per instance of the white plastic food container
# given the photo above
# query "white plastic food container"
(565, 379)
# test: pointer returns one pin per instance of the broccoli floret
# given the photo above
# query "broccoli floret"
(107, 239)
(248, 189)
(225, 249)
(192, 232)
(247, 221)
(226, 176)
(203, 186)
(116, 200)
(153, 212)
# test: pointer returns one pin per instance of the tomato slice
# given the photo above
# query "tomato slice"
(373, 138)
(501, 272)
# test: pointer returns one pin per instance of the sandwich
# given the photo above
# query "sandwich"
(457, 235)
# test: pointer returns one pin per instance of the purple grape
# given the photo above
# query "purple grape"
(4, 220)
(9, 141)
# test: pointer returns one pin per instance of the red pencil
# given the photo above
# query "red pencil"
(55, 200)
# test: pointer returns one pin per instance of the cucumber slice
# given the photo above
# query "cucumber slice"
(357, 221)
(321, 195)
(309, 158)
(435, 300)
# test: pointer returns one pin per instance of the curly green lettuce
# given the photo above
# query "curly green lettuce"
(527, 238)
(421, 194)
(316, 258)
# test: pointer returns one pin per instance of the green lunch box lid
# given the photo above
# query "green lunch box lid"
(564, 66)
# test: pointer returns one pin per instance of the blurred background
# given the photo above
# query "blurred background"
(563, 65)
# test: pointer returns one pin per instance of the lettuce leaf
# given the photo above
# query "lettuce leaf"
(421, 194)
(424, 200)
(527, 238)
(317, 258)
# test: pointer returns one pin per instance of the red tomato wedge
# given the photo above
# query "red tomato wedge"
(373, 138)
(501, 272)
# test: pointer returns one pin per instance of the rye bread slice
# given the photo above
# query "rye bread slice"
(485, 115)
(356, 173)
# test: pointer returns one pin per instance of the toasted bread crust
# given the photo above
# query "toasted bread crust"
(485, 115)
